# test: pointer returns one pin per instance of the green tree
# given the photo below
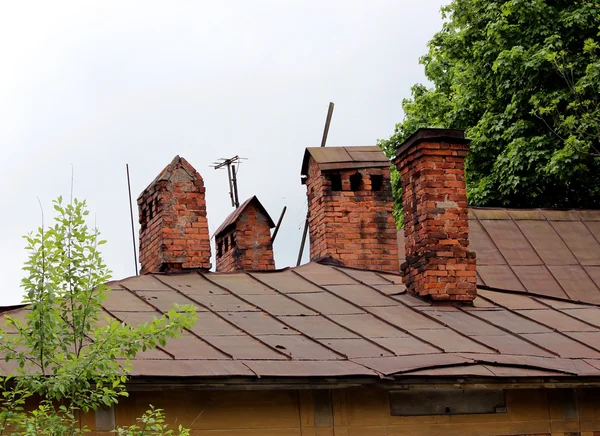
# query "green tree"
(69, 357)
(522, 78)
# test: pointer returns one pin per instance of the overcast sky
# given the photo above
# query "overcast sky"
(96, 85)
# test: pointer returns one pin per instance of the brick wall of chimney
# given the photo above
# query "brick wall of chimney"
(174, 228)
(247, 245)
(438, 263)
(350, 221)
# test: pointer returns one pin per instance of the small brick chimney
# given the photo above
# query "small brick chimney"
(438, 263)
(350, 206)
(244, 239)
(174, 228)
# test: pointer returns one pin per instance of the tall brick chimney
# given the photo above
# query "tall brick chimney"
(174, 228)
(350, 206)
(438, 263)
(244, 239)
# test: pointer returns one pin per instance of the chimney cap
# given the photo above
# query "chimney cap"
(342, 158)
(167, 172)
(233, 216)
(454, 136)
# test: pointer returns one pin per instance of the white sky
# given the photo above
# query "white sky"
(97, 85)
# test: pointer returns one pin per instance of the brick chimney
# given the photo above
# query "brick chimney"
(438, 263)
(350, 206)
(244, 239)
(174, 228)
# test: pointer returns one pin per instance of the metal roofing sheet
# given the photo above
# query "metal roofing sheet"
(580, 240)
(280, 323)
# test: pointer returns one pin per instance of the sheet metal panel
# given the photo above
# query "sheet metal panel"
(190, 347)
(300, 347)
(361, 295)
(510, 241)
(244, 347)
(189, 368)
(369, 326)
(564, 346)
(164, 300)
(500, 277)
(547, 243)
(537, 279)
(479, 241)
(192, 285)
(241, 284)
(325, 303)
(450, 341)
(318, 327)
(577, 283)
(286, 282)
(279, 305)
(307, 368)
(354, 348)
(580, 240)
(557, 320)
(399, 364)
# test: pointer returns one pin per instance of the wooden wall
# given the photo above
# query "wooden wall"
(357, 412)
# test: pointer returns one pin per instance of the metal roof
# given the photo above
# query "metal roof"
(336, 158)
(326, 321)
(555, 253)
(233, 216)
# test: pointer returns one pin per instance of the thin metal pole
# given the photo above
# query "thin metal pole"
(327, 123)
(132, 226)
(323, 142)
(303, 241)
(278, 224)
(235, 190)
(230, 184)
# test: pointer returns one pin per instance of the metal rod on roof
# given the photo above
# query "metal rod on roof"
(230, 185)
(327, 123)
(132, 225)
(303, 241)
(235, 190)
(323, 142)
(278, 224)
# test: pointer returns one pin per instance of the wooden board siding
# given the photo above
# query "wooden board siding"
(358, 412)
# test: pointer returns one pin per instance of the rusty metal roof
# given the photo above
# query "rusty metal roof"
(336, 158)
(554, 253)
(327, 321)
(233, 216)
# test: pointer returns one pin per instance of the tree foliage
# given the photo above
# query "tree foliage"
(522, 78)
(67, 356)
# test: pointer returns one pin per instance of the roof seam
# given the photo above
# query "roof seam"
(500, 251)
(289, 357)
(538, 255)
(372, 314)
(202, 305)
(426, 315)
(507, 331)
(307, 307)
(120, 320)
(555, 330)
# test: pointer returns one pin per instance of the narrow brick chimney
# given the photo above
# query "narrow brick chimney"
(174, 228)
(438, 263)
(350, 206)
(244, 239)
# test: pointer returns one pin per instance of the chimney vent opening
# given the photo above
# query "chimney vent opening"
(335, 181)
(356, 182)
(220, 249)
(376, 182)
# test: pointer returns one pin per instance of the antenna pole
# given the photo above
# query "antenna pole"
(278, 224)
(132, 226)
(235, 190)
(327, 123)
(323, 142)
(230, 185)
(303, 241)
(232, 176)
